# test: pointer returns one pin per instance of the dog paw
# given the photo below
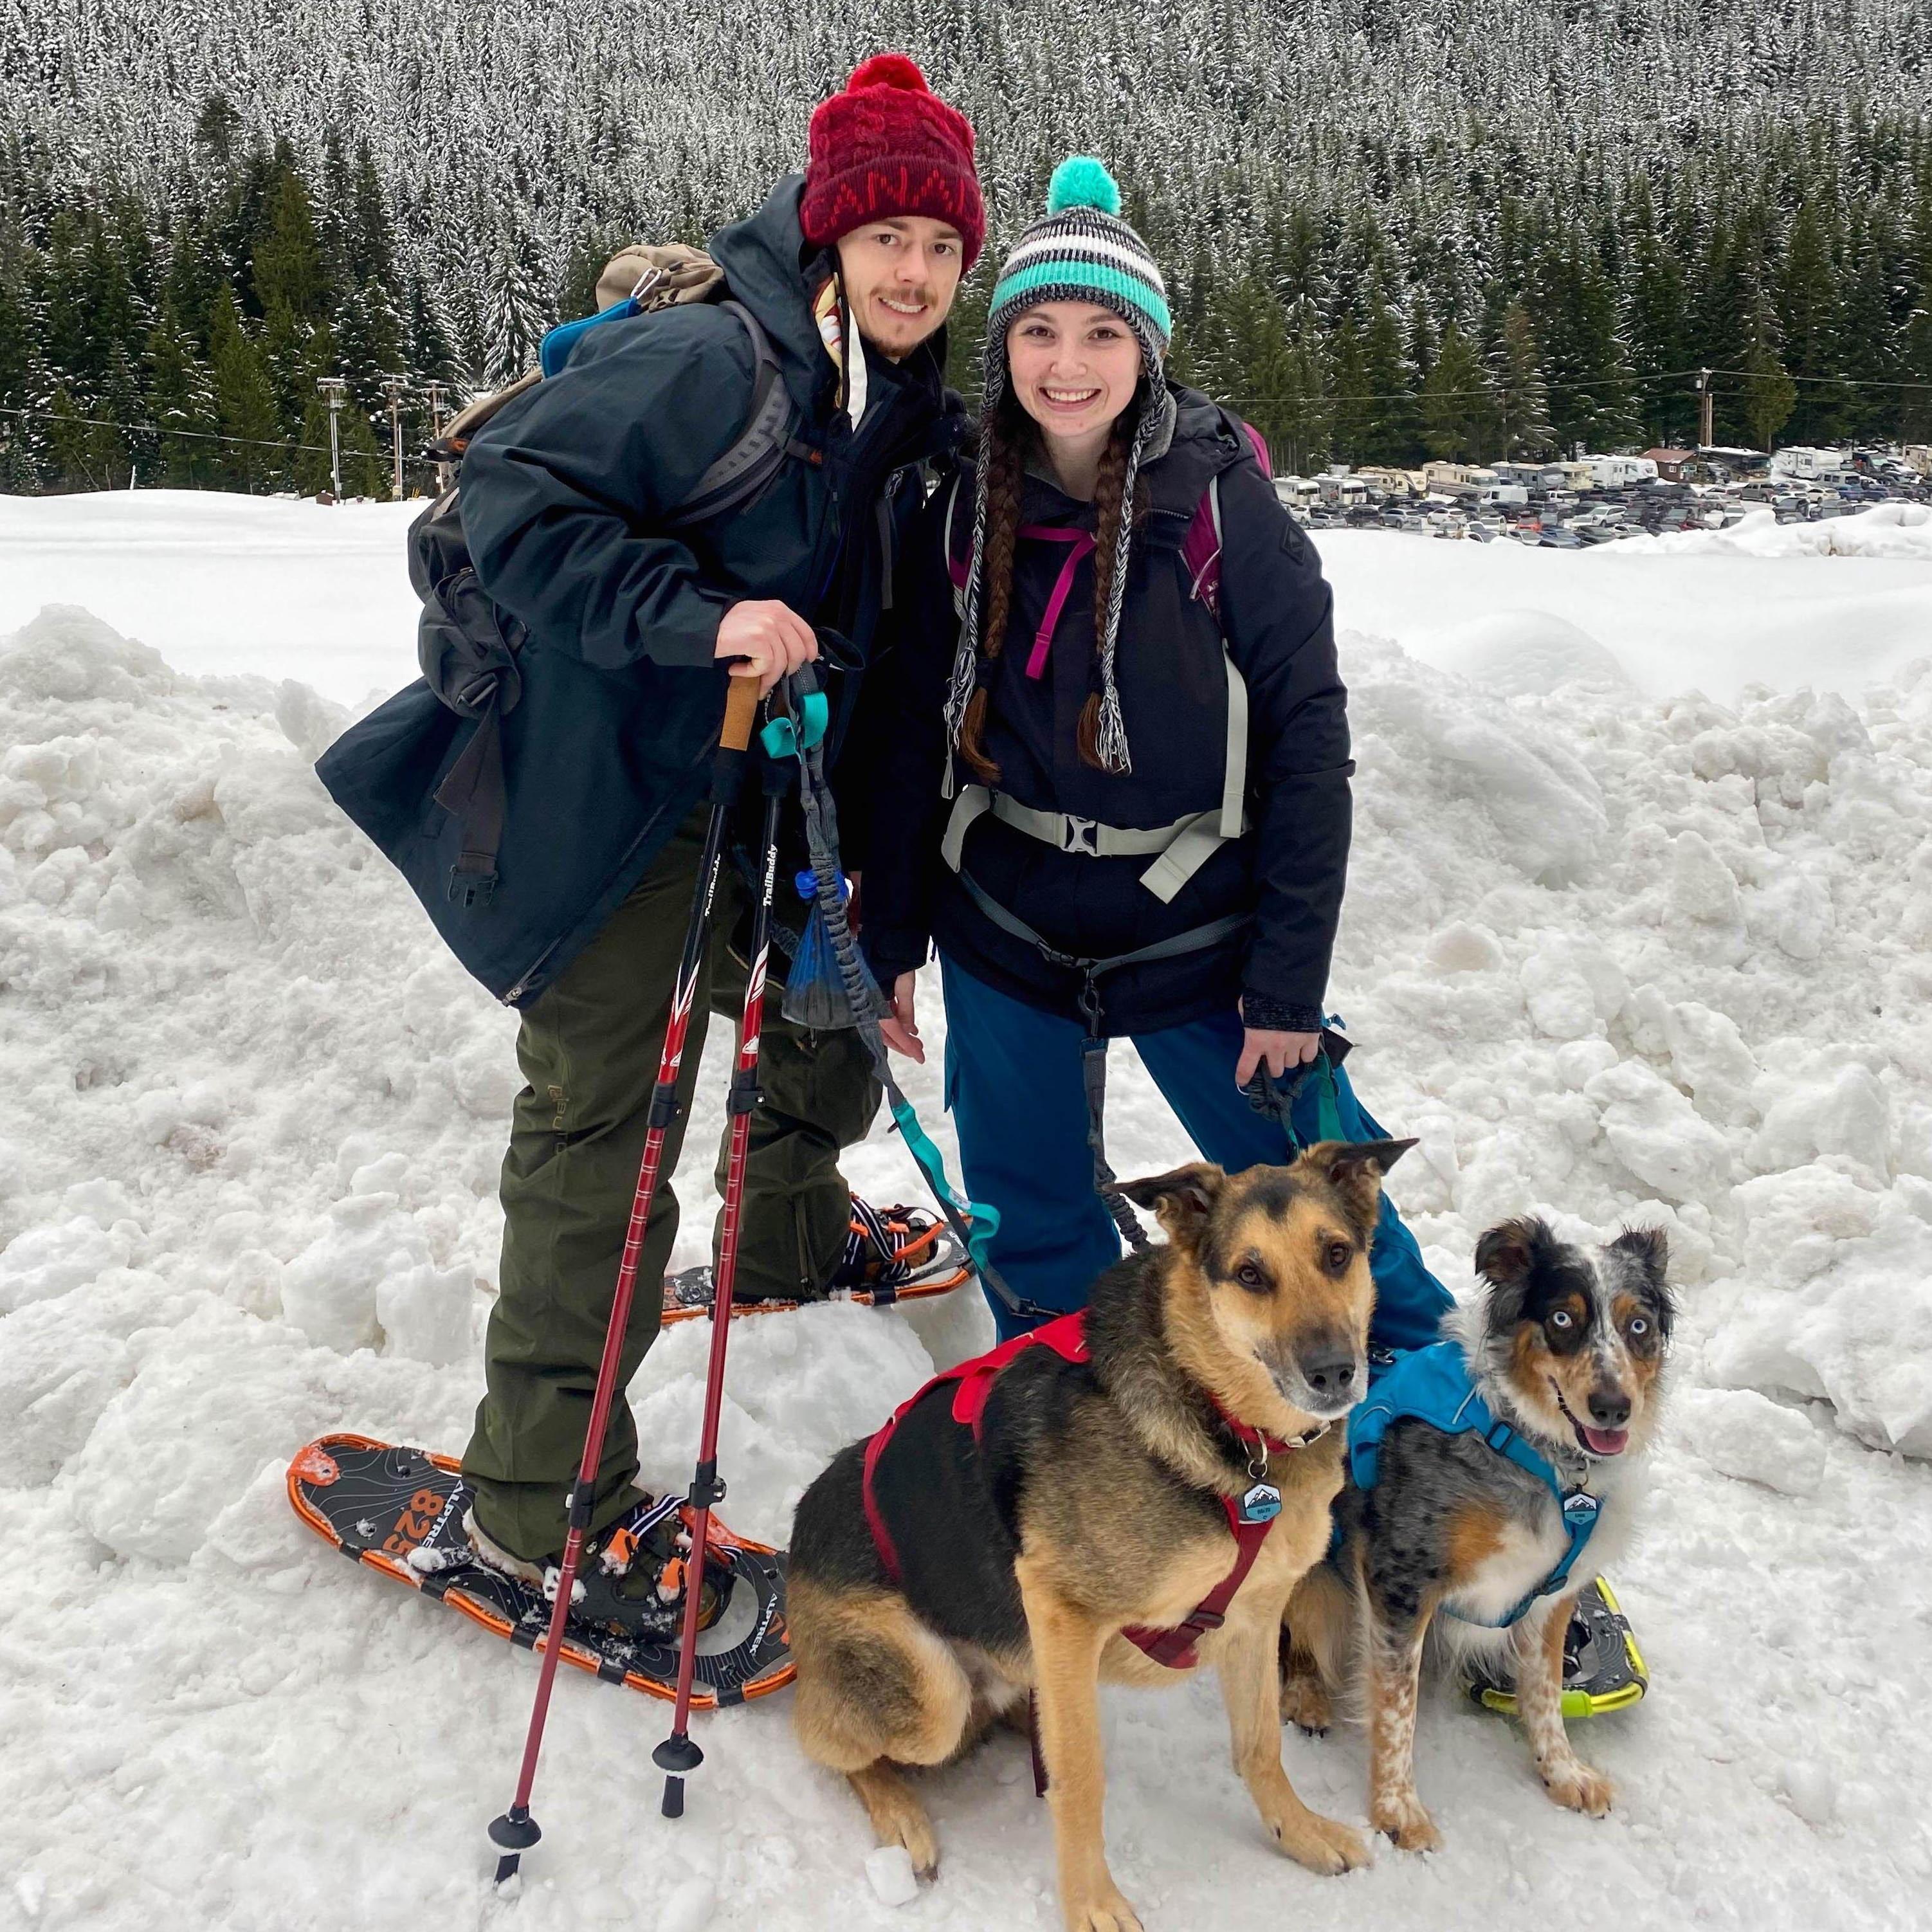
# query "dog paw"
(1304, 1703)
(1573, 1784)
(1104, 1911)
(1406, 1821)
(1321, 1843)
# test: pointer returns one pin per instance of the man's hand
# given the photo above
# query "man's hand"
(1280, 1051)
(901, 1032)
(770, 638)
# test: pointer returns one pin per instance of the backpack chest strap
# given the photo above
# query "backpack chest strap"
(1179, 850)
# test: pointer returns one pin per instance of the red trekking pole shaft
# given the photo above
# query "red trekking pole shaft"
(678, 1753)
(516, 1831)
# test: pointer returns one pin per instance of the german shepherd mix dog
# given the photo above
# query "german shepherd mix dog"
(1566, 1348)
(1094, 1513)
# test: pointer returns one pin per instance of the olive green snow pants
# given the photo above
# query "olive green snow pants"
(588, 1050)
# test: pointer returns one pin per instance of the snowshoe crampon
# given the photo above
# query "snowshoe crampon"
(894, 1254)
(401, 1511)
(1603, 1669)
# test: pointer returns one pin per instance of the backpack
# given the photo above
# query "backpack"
(467, 646)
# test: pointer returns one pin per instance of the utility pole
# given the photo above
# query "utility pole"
(333, 388)
(1704, 436)
(393, 387)
(434, 392)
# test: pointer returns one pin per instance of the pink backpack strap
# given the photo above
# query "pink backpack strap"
(1200, 548)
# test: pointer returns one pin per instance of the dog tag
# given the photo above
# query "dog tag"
(1579, 1508)
(1262, 1504)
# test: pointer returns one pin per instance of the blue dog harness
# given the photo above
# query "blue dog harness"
(1432, 1385)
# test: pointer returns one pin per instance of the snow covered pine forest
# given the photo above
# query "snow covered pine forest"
(1394, 229)
(1640, 930)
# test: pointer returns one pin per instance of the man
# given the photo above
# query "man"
(568, 495)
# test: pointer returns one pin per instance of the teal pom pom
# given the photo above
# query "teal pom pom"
(1081, 181)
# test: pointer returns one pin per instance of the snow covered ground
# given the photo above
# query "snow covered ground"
(1614, 949)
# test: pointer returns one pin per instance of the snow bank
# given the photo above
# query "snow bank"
(1612, 958)
(1902, 530)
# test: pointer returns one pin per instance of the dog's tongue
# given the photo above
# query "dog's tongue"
(1607, 1441)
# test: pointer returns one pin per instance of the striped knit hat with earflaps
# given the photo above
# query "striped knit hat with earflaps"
(1080, 251)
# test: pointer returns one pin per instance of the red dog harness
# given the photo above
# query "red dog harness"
(1067, 1339)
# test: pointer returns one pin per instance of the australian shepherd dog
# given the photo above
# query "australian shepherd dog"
(1567, 1345)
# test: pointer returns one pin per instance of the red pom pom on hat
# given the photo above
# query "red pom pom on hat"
(889, 71)
(887, 144)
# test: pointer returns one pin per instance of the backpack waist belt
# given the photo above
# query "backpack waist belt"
(1433, 1385)
(1067, 1338)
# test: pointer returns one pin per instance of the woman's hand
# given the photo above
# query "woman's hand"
(1278, 1051)
(901, 1032)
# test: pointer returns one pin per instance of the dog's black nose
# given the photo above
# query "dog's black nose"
(1609, 1408)
(1331, 1377)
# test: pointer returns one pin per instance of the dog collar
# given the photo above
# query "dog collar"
(1260, 1444)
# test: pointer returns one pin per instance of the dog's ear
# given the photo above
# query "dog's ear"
(1183, 1200)
(1354, 1169)
(1648, 1247)
(1506, 1255)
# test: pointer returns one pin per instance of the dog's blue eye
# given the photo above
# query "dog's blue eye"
(1639, 1327)
(1560, 1320)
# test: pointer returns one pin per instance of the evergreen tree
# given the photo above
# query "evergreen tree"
(180, 403)
(1768, 393)
(515, 316)
(1392, 428)
(1459, 406)
(1522, 426)
(244, 401)
(1304, 433)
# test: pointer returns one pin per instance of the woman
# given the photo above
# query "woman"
(1106, 746)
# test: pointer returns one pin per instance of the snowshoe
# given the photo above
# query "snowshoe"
(404, 1512)
(892, 1254)
(1603, 1669)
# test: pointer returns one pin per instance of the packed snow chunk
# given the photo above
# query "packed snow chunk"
(1526, 653)
(1702, 887)
(1809, 1788)
(1571, 987)
(1844, 1114)
(1459, 947)
(1745, 1435)
(59, 1368)
(308, 721)
(330, 1290)
(1837, 1303)
(212, 1400)
(688, 1907)
(49, 1261)
(1656, 1133)
(429, 1313)
(68, 655)
(894, 1881)
(1709, 1055)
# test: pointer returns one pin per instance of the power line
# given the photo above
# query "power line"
(199, 435)
(1574, 388)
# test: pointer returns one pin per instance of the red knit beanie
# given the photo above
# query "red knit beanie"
(889, 145)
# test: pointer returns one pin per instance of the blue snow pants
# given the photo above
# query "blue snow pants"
(1013, 1086)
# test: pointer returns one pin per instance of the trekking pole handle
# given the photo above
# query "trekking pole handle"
(741, 712)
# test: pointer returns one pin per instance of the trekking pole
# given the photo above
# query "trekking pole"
(678, 1754)
(516, 1831)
